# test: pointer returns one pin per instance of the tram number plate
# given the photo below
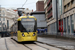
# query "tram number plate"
(28, 35)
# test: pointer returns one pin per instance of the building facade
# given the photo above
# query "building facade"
(7, 17)
(50, 12)
(41, 23)
(40, 6)
(68, 16)
(49, 16)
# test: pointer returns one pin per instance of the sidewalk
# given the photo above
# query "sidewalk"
(67, 36)
(67, 44)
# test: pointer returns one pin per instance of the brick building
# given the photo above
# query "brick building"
(40, 6)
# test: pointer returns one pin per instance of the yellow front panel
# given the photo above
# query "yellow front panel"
(28, 36)
(19, 19)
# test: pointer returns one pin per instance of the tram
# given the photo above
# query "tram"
(24, 29)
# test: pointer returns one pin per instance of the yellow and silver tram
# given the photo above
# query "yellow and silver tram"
(25, 29)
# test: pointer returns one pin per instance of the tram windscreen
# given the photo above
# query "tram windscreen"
(28, 25)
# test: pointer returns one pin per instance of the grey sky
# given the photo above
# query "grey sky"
(31, 4)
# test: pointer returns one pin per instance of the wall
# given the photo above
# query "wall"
(40, 6)
(9, 15)
(66, 1)
(40, 20)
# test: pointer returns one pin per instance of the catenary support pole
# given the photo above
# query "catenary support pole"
(57, 17)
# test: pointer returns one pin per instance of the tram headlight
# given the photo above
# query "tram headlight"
(23, 34)
(33, 34)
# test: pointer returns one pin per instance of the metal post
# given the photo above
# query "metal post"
(0, 8)
(57, 17)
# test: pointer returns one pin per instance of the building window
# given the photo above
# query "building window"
(3, 23)
(50, 11)
(3, 19)
(7, 23)
(72, 1)
(68, 24)
(64, 24)
(68, 4)
(65, 7)
(0, 19)
(72, 23)
(49, 4)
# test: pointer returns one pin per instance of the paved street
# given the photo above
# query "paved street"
(9, 44)
(58, 42)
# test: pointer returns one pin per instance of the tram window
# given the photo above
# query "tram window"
(19, 25)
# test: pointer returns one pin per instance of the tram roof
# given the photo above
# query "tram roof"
(19, 19)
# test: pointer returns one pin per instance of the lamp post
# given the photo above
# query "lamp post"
(57, 17)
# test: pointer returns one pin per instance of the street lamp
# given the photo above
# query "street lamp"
(57, 17)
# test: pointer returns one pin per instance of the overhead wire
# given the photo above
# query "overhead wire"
(30, 3)
(24, 3)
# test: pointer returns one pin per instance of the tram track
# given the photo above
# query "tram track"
(10, 44)
(34, 46)
(42, 46)
(27, 47)
(51, 45)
